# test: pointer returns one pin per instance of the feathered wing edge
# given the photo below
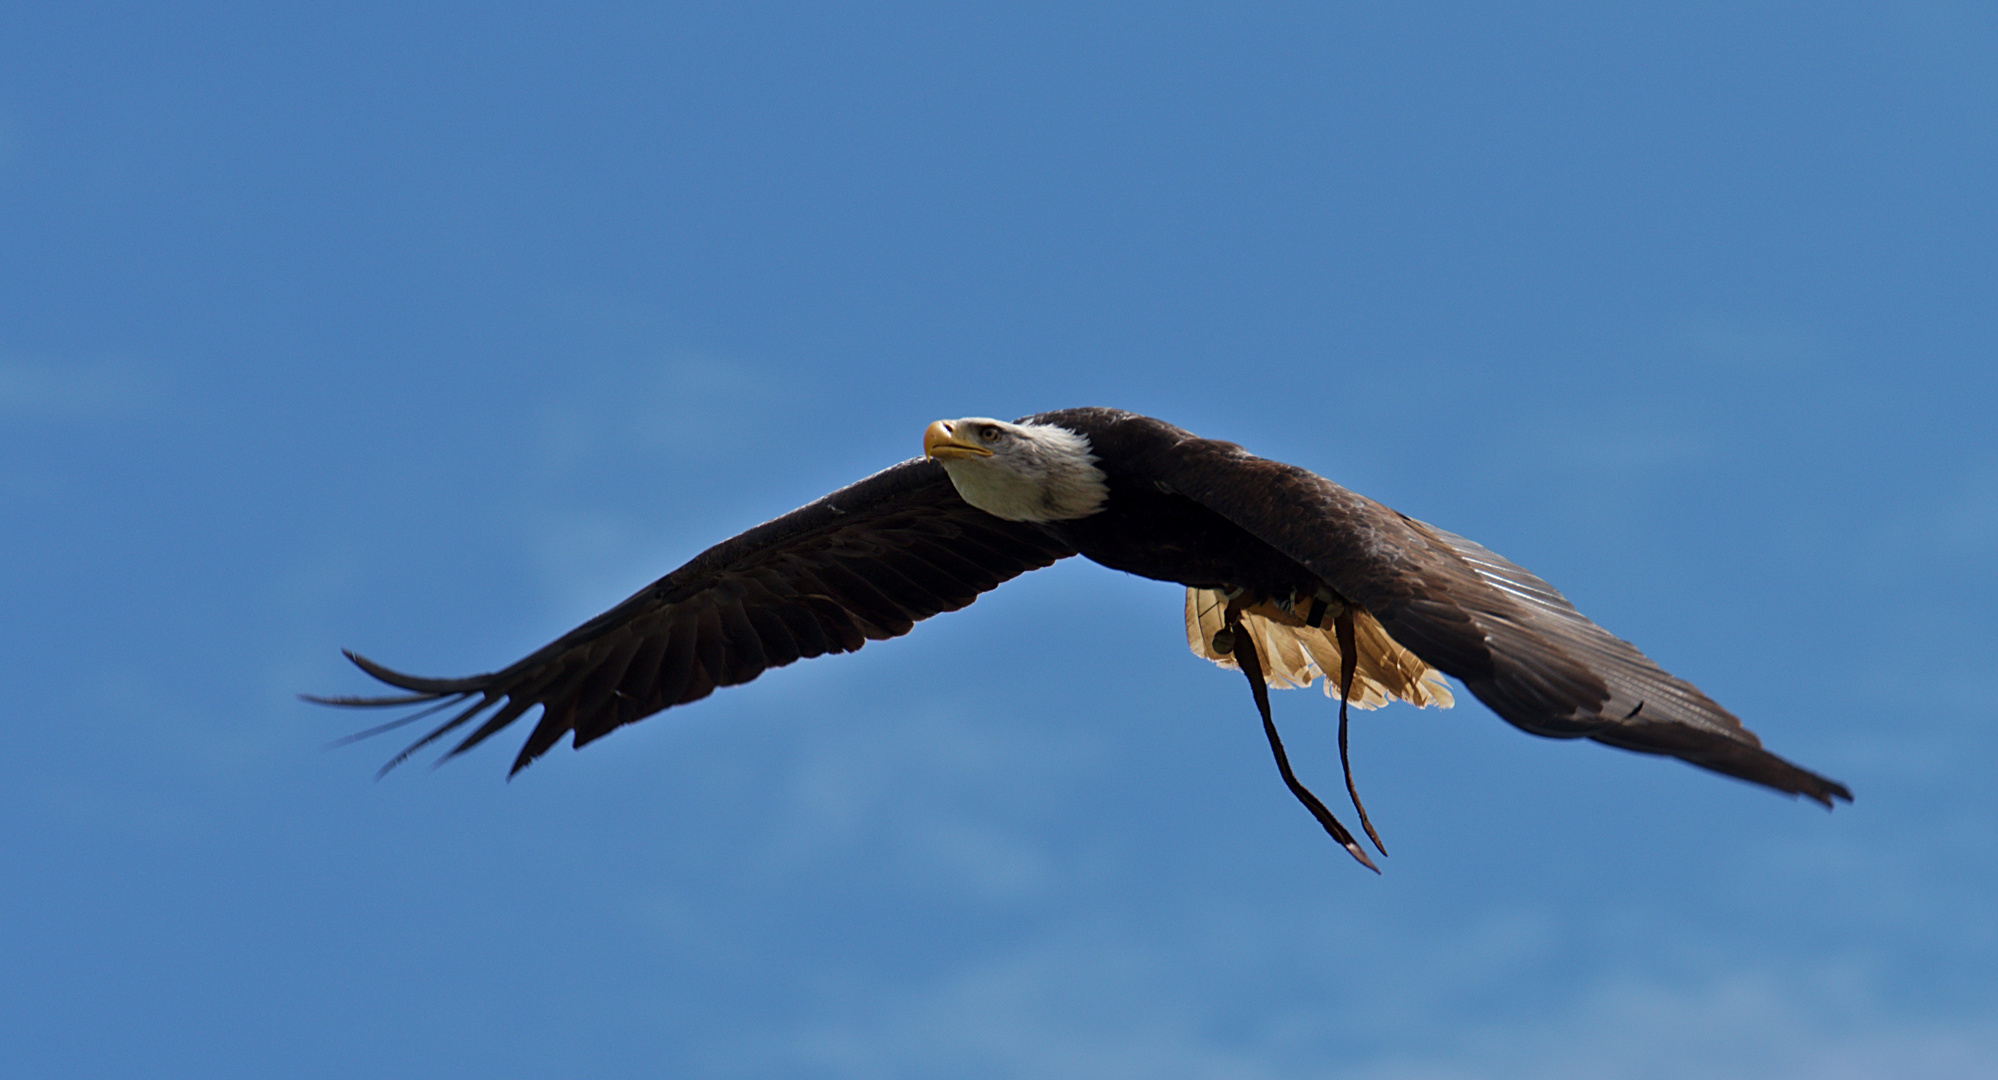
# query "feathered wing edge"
(1648, 710)
(864, 563)
(1511, 638)
(424, 692)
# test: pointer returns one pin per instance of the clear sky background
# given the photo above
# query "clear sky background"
(431, 331)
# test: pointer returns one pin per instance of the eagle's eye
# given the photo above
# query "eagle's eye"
(989, 433)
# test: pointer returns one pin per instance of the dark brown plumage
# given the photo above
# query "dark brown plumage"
(870, 560)
(1511, 638)
(865, 563)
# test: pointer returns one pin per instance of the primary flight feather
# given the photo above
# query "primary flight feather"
(1289, 576)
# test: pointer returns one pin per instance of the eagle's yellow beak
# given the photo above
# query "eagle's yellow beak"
(940, 441)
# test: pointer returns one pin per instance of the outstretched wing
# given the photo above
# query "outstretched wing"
(1513, 640)
(864, 563)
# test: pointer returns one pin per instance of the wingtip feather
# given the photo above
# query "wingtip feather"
(416, 683)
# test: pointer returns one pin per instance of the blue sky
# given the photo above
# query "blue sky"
(431, 331)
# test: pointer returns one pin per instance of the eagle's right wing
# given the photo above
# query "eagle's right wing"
(866, 562)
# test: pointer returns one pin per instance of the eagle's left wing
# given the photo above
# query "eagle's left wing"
(1513, 639)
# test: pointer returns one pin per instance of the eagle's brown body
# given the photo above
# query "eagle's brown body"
(869, 561)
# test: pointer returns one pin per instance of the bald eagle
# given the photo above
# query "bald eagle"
(1289, 577)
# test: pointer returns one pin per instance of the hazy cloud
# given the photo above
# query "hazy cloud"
(1096, 1005)
(81, 391)
(1748, 344)
(1968, 523)
(1747, 1026)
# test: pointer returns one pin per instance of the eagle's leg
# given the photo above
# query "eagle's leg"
(1349, 659)
(1244, 649)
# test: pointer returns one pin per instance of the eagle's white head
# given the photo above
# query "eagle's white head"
(1019, 472)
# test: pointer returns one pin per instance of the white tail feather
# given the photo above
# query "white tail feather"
(1295, 655)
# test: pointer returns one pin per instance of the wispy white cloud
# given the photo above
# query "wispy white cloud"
(1968, 523)
(10, 139)
(922, 795)
(1740, 345)
(1926, 563)
(688, 406)
(1747, 1026)
(1099, 1005)
(1090, 1006)
(1625, 446)
(71, 391)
